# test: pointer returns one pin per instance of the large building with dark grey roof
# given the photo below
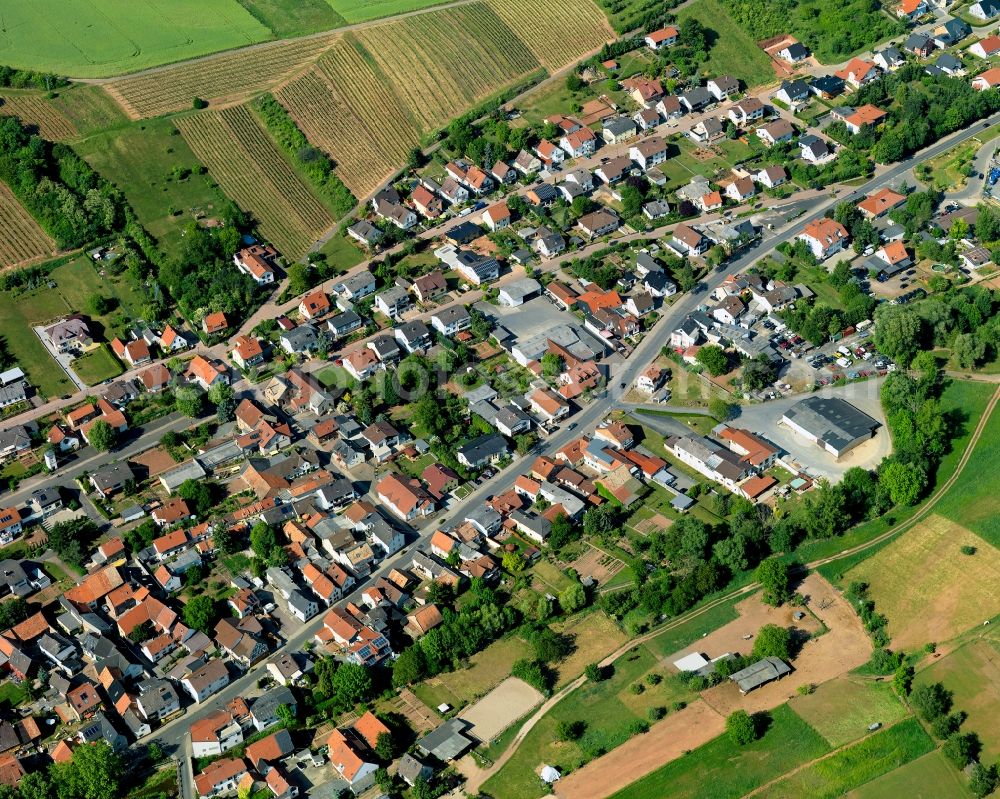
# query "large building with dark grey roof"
(833, 424)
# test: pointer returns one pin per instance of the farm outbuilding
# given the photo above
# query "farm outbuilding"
(760, 673)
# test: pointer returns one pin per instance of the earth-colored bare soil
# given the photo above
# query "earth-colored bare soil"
(500, 708)
(843, 647)
(666, 740)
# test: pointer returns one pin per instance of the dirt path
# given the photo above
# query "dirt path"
(370, 23)
(480, 775)
(760, 791)
(666, 740)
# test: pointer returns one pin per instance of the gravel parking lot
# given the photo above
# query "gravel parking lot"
(766, 418)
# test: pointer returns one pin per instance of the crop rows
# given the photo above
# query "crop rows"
(441, 63)
(232, 76)
(557, 33)
(52, 123)
(252, 171)
(21, 239)
(342, 108)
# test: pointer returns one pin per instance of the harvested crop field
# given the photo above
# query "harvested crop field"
(232, 76)
(927, 588)
(33, 109)
(21, 239)
(500, 708)
(251, 170)
(557, 33)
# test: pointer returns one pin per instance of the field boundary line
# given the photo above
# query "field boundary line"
(802, 766)
(743, 591)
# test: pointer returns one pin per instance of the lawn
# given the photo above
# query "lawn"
(872, 757)
(334, 376)
(608, 708)
(486, 670)
(927, 588)
(972, 674)
(341, 253)
(553, 579)
(12, 695)
(97, 366)
(723, 770)
(98, 38)
(363, 10)
(949, 170)
(729, 154)
(731, 50)
(974, 500)
(153, 165)
(842, 709)
(927, 777)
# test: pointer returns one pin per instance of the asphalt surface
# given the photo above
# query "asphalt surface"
(171, 734)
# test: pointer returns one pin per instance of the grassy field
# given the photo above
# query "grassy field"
(485, 671)
(972, 674)
(75, 282)
(594, 635)
(364, 10)
(253, 172)
(287, 18)
(731, 50)
(97, 366)
(730, 152)
(927, 588)
(152, 163)
(927, 777)
(22, 241)
(964, 402)
(788, 742)
(98, 38)
(341, 253)
(872, 757)
(608, 708)
(974, 500)
(841, 710)
(949, 170)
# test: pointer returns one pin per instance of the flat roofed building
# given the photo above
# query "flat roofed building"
(831, 423)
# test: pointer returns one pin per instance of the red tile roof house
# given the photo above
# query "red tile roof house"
(351, 766)
(256, 262)
(406, 498)
(135, 353)
(206, 373)
(664, 37)
(215, 323)
(858, 72)
(248, 352)
(426, 203)
(156, 378)
(222, 776)
(824, 237)
(314, 305)
(865, 116)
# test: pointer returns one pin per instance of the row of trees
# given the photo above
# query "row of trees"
(74, 204)
(311, 160)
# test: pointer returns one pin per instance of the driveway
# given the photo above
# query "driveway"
(765, 419)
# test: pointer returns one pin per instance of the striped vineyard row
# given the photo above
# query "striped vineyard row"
(252, 171)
